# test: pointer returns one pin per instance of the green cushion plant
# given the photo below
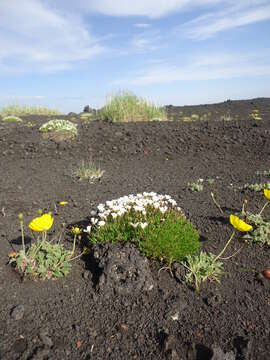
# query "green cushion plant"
(59, 125)
(11, 119)
(153, 222)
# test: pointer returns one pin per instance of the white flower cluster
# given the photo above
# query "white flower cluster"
(59, 125)
(139, 203)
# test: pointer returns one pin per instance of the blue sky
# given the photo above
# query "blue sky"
(67, 53)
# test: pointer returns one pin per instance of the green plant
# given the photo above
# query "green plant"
(87, 116)
(11, 119)
(153, 222)
(208, 267)
(261, 233)
(196, 186)
(59, 125)
(88, 171)
(257, 186)
(255, 115)
(44, 258)
(201, 268)
(27, 110)
(195, 117)
(126, 106)
(263, 172)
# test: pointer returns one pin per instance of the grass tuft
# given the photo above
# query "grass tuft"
(88, 171)
(125, 106)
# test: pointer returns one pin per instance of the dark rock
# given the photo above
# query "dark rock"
(86, 275)
(46, 340)
(86, 109)
(218, 354)
(40, 354)
(213, 299)
(124, 270)
(20, 345)
(242, 344)
(17, 312)
(179, 272)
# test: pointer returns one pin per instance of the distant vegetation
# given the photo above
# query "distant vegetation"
(18, 110)
(12, 119)
(125, 106)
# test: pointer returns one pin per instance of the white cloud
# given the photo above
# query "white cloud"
(146, 41)
(202, 68)
(142, 25)
(232, 15)
(147, 8)
(36, 37)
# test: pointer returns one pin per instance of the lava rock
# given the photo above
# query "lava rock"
(179, 272)
(20, 345)
(46, 340)
(213, 299)
(124, 270)
(218, 354)
(17, 312)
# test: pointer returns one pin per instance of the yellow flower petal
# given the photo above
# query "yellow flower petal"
(41, 223)
(267, 194)
(76, 230)
(63, 203)
(239, 224)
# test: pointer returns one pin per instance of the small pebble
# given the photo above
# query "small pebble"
(17, 312)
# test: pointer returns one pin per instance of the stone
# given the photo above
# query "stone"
(17, 312)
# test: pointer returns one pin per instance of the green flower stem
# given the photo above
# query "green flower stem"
(264, 206)
(216, 203)
(74, 244)
(225, 247)
(22, 232)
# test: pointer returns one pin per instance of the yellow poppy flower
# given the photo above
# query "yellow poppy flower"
(63, 203)
(267, 194)
(41, 223)
(239, 224)
(76, 230)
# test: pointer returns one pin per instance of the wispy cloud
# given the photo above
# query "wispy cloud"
(146, 41)
(232, 15)
(142, 25)
(36, 37)
(201, 68)
(149, 8)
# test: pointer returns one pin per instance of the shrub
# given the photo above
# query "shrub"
(59, 125)
(126, 106)
(153, 222)
(11, 119)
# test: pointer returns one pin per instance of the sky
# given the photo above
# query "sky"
(68, 53)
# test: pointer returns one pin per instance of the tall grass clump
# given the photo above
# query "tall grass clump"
(125, 106)
(21, 110)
